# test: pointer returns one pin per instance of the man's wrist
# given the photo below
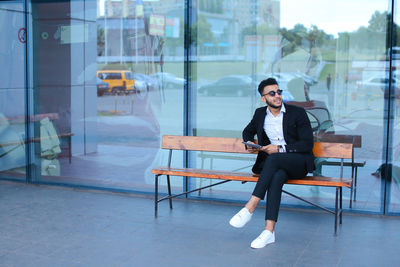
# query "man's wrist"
(281, 149)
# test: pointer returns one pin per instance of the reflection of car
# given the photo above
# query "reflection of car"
(282, 82)
(376, 84)
(149, 82)
(308, 79)
(395, 52)
(118, 80)
(102, 87)
(281, 79)
(168, 80)
(354, 75)
(237, 85)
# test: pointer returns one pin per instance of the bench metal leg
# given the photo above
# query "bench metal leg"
(341, 208)
(351, 188)
(355, 185)
(336, 209)
(156, 195)
(70, 149)
(169, 192)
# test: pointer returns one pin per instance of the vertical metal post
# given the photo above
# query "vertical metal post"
(28, 146)
(187, 105)
(388, 148)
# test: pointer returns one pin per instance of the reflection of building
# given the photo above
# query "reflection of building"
(227, 19)
(126, 29)
(262, 11)
(228, 24)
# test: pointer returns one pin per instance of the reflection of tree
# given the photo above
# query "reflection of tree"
(309, 39)
(100, 41)
(211, 6)
(375, 36)
(378, 22)
(201, 32)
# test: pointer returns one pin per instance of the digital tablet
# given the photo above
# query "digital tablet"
(252, 145)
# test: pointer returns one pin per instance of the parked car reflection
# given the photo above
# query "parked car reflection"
(118, 80)
(238, 85)
(309, 80)
(235, 85)
(168, 80)
(282, 80)
(102, 87)
(375, 85)
(149, 82)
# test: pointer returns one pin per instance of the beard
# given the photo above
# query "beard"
(270, 104)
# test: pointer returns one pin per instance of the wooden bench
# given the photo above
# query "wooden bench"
(37, 118)
(319, 136)
(234, 145)
(356, 140)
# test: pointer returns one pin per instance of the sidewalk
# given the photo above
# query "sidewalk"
(56, 226)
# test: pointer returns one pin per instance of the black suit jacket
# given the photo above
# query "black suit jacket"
(296, 131)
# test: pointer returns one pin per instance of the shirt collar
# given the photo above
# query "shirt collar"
(283, 109)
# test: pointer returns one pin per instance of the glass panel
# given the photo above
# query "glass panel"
(12, 90)
(323, 55)
(110, 74)
(391, 172)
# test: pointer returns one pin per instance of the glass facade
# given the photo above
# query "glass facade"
(12, 90)
(89, 87)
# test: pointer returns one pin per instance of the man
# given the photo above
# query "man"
(328, 81)
(285, 133)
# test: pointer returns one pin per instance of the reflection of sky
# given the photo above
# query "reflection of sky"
(331, 16)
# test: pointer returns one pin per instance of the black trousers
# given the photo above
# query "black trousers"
(277, 168)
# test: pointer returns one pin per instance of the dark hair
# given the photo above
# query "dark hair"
(269, 81)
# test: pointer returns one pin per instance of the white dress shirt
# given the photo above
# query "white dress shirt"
(273, 127)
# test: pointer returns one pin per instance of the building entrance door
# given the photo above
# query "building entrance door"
(12, 89)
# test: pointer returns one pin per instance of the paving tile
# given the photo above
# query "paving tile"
(56, 226)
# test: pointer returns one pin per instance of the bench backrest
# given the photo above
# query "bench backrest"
(234, 145)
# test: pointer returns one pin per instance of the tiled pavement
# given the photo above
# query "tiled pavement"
(57, 226)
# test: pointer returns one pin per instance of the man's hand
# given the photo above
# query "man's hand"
(270, 149)
(252, 149)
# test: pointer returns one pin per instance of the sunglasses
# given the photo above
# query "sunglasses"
(273, 93)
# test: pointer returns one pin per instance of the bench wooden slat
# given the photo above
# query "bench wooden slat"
(35, 140)
(203, 173)
(248, 177)
(234, 145)
(333, 150)
(197, 143)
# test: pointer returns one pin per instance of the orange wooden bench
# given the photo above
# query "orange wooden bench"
(234, 145)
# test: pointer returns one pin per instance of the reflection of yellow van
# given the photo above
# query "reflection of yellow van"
(119, 80)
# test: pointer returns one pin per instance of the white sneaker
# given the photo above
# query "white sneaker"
(265, 238)
(241, 218)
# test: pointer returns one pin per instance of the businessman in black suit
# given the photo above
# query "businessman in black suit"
(286, 137)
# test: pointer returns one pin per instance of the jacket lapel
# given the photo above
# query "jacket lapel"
(262, 120)
(285, 122)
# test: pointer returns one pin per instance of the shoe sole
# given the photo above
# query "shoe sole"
(263, 246)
